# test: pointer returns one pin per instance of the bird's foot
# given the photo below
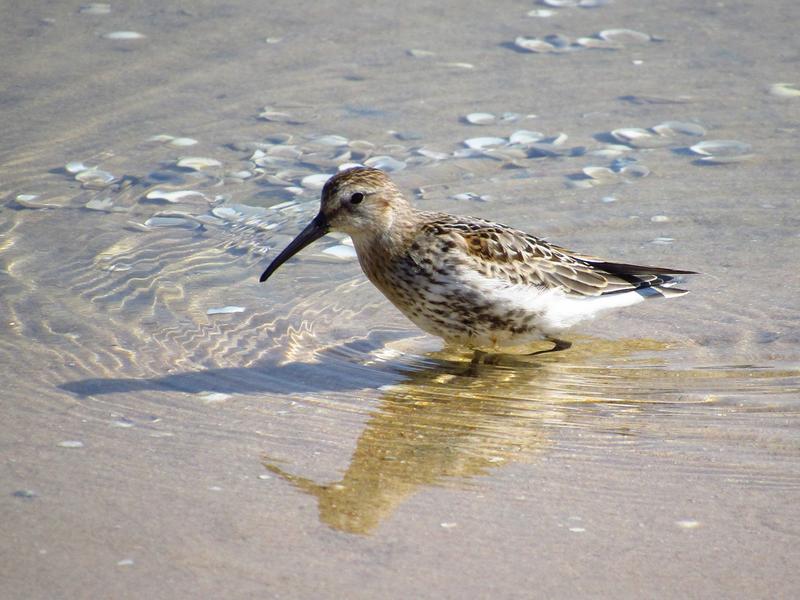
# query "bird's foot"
(494, 359)
(472, 369)
(481, 357)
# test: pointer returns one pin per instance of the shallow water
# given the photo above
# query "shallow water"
(301, 438)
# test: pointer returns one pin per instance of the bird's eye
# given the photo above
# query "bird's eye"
(356, 198)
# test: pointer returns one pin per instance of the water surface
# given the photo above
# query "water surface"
(310, 442)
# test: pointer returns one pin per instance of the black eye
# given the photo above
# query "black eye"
(356, 198)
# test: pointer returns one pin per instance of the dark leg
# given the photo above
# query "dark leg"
(472, 370)
(558, 346)
(476, 358)
(481, 357)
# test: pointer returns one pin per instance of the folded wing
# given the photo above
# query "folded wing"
(513, 256)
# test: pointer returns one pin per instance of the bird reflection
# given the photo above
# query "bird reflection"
(437, 428)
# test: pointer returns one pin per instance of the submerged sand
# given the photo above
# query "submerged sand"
(172, 428)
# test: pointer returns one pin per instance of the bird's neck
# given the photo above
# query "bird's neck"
(393, 236)
(379, 249)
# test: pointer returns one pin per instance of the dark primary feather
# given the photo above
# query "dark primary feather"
(504, 253)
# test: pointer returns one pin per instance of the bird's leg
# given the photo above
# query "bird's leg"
(472, 370)
(476, 358)
(492, 359)
(558, 346)
(481, 357)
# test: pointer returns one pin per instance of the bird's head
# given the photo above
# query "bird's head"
(361, 202)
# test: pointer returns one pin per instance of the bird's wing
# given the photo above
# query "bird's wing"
(509, 255)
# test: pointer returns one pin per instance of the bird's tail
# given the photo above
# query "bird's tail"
(649, 282)
(664, 291)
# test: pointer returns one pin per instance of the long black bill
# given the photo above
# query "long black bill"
(313, 231)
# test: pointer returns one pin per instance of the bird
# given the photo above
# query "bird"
(474, 283)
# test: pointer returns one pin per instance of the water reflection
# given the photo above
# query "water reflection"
(433, 422)
(420, 436)
(437, 427)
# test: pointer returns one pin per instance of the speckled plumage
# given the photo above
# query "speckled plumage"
(472, 282)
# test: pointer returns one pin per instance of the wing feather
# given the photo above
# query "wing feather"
(510, 255)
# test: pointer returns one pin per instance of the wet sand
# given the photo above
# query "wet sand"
(314, 443)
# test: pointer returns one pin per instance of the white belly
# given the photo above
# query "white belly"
(487, 314)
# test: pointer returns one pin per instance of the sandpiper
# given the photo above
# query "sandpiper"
(472, 282)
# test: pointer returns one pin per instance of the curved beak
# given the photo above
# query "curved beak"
(313, 231)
